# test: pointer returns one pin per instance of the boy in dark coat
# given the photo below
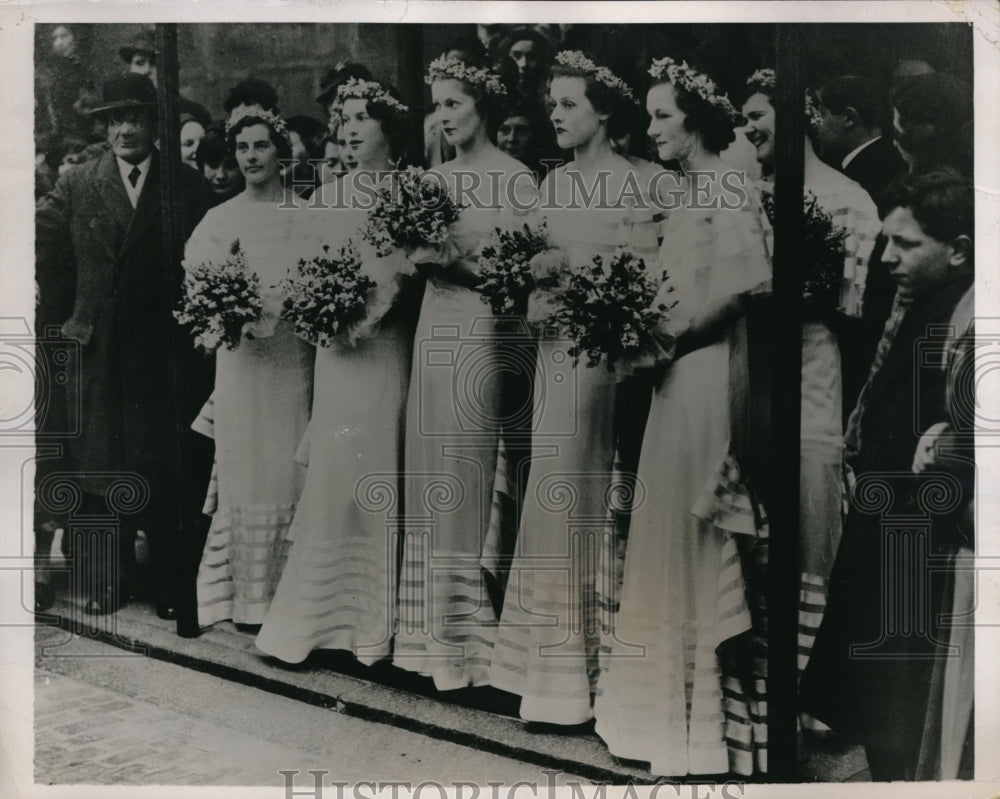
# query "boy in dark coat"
(870, 675)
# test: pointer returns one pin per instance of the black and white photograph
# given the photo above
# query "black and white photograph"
(475, 397)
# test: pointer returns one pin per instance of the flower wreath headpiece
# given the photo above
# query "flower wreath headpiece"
(277, 123)
(574, 59)
(358, 89)
(445, 67)
(765, 79)
(690, 80)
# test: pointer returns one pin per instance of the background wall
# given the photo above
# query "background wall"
(294, 56)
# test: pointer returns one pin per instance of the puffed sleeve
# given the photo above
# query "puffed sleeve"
(205, 243)
(857, 214)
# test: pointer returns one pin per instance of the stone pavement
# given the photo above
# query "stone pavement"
(101, 718)
(478, 721)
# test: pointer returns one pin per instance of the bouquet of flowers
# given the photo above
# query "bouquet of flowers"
(505, 267)
(327, 294)
(610, 313)
(219, 300)
(823, 250)
(413, 209)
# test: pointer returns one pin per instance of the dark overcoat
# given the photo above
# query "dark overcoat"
(869, 676)
(100, 273)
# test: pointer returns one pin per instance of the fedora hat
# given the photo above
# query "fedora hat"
(126, 91)
(143, 42)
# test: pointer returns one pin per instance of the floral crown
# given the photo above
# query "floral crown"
(451, 67)
(276, 123)
(574, 59)
(370, 90)
(694, 82)
(765, 79)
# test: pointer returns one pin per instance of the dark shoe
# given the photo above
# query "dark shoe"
(166, 608)
(187, 625)
(45, 596)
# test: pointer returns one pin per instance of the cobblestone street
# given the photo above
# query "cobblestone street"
(133, 704)
(105, 717)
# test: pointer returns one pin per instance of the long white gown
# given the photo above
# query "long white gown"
(550, 628)
(261, 408)
(659, 697)
(338, 590)
(822, 429)
(446, 623)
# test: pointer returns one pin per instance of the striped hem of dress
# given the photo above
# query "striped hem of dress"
(242, 562)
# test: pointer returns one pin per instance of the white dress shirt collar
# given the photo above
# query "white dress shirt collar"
(125, 169)
(853, 153)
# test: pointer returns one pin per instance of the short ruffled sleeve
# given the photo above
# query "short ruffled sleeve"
(206, 243)
(853, 210)
(710, 256)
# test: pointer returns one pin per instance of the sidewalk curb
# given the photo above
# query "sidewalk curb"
(360, 698)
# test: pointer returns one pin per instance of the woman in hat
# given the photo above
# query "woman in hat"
(140, 54)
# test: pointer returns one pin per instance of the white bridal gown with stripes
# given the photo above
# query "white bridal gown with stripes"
(261, 409)
(550, 628)
(446, 623)
(660, 698)
(338, 590)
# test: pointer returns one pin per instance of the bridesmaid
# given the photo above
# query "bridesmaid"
(547, 646)
(262, 388)
(821, 454)
(446, 623)
(660, 696)
(338, 590)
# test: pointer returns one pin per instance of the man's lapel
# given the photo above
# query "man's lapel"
(148, 207)
(112, 191)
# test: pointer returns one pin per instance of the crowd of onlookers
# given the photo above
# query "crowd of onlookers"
(928, 118)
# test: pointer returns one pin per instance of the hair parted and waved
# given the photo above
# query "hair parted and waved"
(942, 201)
(384, 104)
(491, 89)
(246, 117)
(608, 93)
(708, 112)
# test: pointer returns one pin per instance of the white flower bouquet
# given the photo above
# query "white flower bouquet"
(220, 300)
(327, 294)
(610, 312)
(413, 212)
(505, 266)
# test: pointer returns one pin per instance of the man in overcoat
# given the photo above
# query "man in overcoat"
(101, 275)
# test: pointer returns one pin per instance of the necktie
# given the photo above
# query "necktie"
(134, 175)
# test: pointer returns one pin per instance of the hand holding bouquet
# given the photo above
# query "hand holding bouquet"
(327, 294)
(220, 300)
(610, 313)
(822, 252)
(505, 266)
(413, 212)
